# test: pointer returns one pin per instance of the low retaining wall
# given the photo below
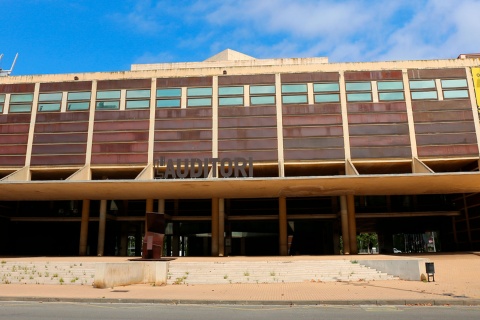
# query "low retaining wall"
(110, 274)
(412, 269)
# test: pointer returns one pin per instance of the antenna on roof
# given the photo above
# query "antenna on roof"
(4, 73)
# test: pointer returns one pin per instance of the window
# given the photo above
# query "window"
(108, 100)
(291, 93)
(359, 91)
(138, 99)
(261, 95)
(2, 102)
(390, 91)
(454, 89)
(326, 92)
(199, 97)
(423, 90)
(169, 97)
(77, 101)
(21, 102)
(230, 96)
(48, 102)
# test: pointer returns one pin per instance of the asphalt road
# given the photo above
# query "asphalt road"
(64, 311)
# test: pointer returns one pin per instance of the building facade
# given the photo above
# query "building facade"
(244, 156)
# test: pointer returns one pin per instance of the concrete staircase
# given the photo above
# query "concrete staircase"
(270, 272)
(46, 272)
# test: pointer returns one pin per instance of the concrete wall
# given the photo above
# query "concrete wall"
(412, 269)
(108, 275)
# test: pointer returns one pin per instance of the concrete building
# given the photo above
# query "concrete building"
(245, 156)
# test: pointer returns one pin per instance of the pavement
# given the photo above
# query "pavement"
(457, 282)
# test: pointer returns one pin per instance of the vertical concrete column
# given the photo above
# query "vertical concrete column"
(352, 225)
(215, 213)
(31, 130)
(101, 227)
(344, 218)
(82, 251)
(411, 123)
(282, 223)
(176, 230)
(148, 208)
(221, 227)
(161, 205)
(278, 105)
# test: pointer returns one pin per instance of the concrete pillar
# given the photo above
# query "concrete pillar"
(352, 225)
(148, 208)
(161, 205)
(175, 230)
(221, 227)
(344, 219)
(282, 223)
(101, 227)
(84, 228)
(215, 213)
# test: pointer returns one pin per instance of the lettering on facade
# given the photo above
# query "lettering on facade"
(197, 168)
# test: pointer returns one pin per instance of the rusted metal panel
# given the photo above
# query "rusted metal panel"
(17, 88)
(119, 136)
(226, 133)
(59, 148)
(247, 144)
(183, 135)
(313, 119)
(8, 160)
(162, 146)
(377, 107)
(377, 118)
(246, 79)
(184, 82)
(122, 115)
(307, 110)
(329, 131)
(315, 154)
(119, 159)
(183, 124)
(61, 127)
(60, 137)
(121, 125)
(50, 160)
(137, 147)
(62, 116)
(15, 118)
(13, 149)
(445, 73)
(456, 150)
(257, 155)
(66, 86)
(445, 127)
(310, 77)
(373, 75)
(445, 139)
(14, 128)
(243, 111)
(377, 141)
(442, 116)
(445, 105)
(382, 129)
(183, 113)
(13, 139)
(381, 152)
(124, 84)
(312, 143)
(247, 122)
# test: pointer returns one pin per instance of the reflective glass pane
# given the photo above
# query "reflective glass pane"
(108, 105)
(108, 94)
(237, 101)
(294, 99)
(1, 108)
(170, 92)
(21, 98)
(419, 95)
(20, 108)
(199, 102)
(327, 98)
(223, 91)
(457, 83)
(2, 98)
(389, 85)
(262, 100)
(132, 94)
(49, 107)
(325, 87)
(389, 96)
(137, 104)
(452, 94)
(50, 96)
(422, 84)
(359, 86)
(74, 106)
(79, 95)
(262, 89)
(166, 103)
(359, 97)
(294, 88)
(199, 92)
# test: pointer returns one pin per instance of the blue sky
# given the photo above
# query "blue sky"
(60, 36)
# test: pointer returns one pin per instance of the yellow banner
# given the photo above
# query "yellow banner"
(476, 84)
